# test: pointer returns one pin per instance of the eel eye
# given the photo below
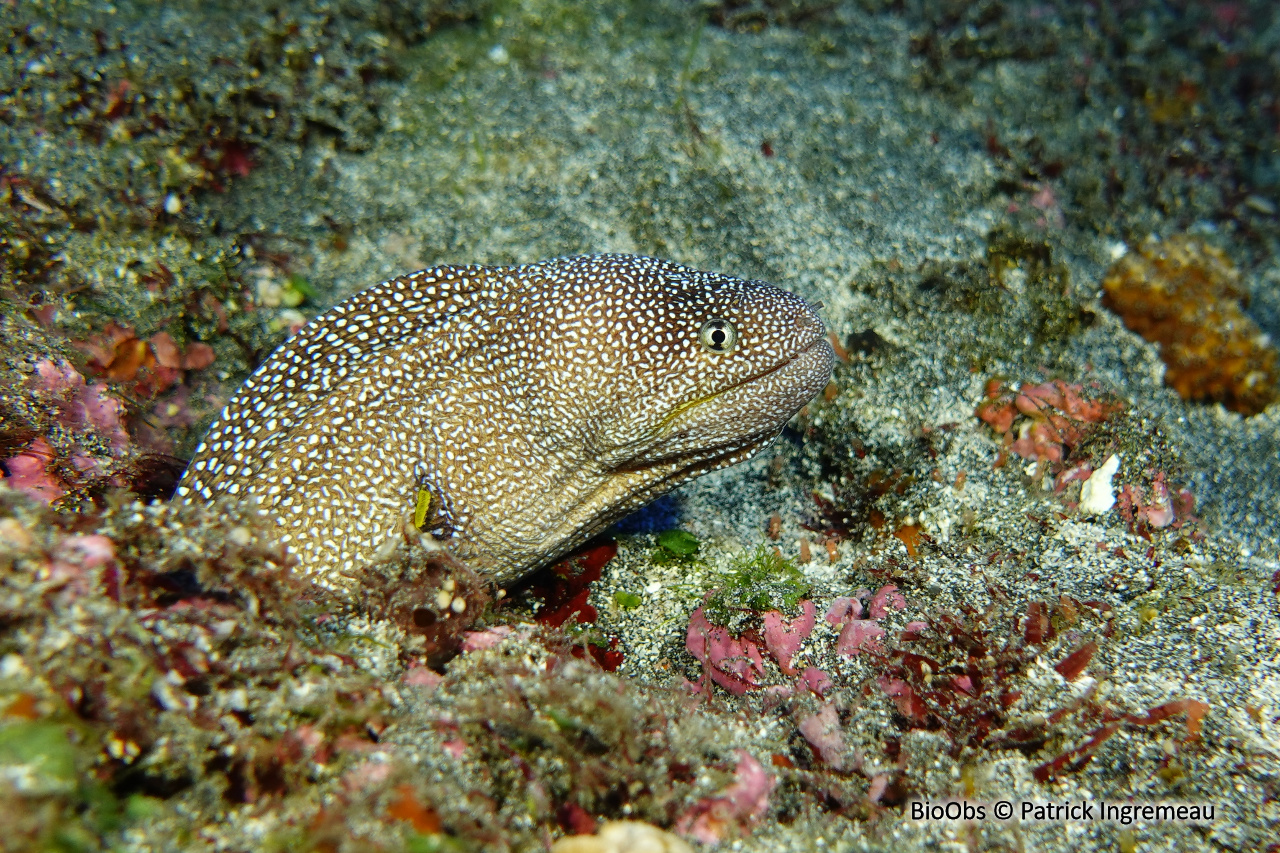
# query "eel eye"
(718, 335)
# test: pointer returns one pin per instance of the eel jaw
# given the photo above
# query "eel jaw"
(815, 350)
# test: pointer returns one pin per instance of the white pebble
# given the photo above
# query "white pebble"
(1096, 495)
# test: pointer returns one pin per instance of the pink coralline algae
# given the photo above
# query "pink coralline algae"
(80, 406)
(29, 472)
(822, 731)
(86, 551)
(859, 634)
(886, 597)
(734, 663)
(488, 638)
(904, 698)
(744, 801)
(48, 473)
(814, 680)
(783, 638)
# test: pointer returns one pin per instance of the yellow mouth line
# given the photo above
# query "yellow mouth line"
(664, 425)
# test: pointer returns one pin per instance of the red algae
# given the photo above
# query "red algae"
(152, 366)
(783, 638)
(1043, 422)
(1074, 664)
(1077, 758)
(565, 587)
(732, 662)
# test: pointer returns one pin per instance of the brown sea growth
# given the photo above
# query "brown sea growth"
(1186, 296)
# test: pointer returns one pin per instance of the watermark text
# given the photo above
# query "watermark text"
(1061, 811)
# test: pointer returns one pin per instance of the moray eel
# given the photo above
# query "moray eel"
(511, 412)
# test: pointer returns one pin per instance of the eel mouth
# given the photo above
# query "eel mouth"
(791, 359)
(664, 426)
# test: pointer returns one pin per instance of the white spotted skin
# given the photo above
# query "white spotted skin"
(536, 404)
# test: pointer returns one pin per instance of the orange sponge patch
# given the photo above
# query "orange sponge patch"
(1186, 296)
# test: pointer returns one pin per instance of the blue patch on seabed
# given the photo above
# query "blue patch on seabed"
(662, 514)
